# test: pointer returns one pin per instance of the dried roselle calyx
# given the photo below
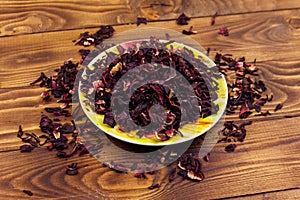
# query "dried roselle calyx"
(189, 32)
(182, 19)
(161, 135)
(224, 31)
(141, 20)
(26, 148)
(213, 19)
(190, 167)
(87, 39)
(72, 169)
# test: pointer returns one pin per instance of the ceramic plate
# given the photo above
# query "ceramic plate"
(189, 131)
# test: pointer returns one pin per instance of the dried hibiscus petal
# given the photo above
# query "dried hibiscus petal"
(62, 154)
(230, 147)
(206, 157)
(20, 132)
(141, 20)
(190, 168)
(224, 31)
(244, 112)
(84, 53)
(182, 19)
(278, 107)
(72, 169)
(42, 77)
(26, 148)
(109, 120)
(189, 32)
(58, 111)
(45, 95)
(199, 176)
(140, 174)
(28, 192)
(242, 136)
(213, 19)
(87, 39)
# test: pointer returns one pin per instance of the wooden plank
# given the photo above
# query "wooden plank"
(24, 57)
(270, 153)
(19, 17)
(285, 194)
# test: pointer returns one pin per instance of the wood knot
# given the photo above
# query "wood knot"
(153, 9)
(294, 22)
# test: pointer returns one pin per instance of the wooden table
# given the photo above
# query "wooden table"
(37, 36)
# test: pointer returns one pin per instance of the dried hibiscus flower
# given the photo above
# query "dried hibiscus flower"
(26, 148)
(141, 20)
(72, 169)
(230, 147)
(190, 167)
(189, 32)
(278, 107)
(224, 31)
(28, 192)
(182, 19)
(213, 19)
(87, 39)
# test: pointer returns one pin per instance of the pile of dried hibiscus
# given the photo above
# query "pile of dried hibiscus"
(152, 57)
(246, 95)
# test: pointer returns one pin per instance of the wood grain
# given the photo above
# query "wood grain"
(19, 17)
(31, 54)
(265, 155)
(285, 194)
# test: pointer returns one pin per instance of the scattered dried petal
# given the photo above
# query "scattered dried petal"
(224, 31)
(140, 174)
(208, 51)
(206, 157)
(72, 169)
(87, 39)
(199, 176)
(141, 20)
(45, 95)
(20, 132)
(213, 19)
(182, 19)
(189, 32)
(278, 107)
(28, 192)
(244, 112)
(26, 148)
(230, 147)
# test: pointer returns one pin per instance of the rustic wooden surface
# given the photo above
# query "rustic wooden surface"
(37, 36)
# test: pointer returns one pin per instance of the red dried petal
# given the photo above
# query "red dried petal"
(224, 31)
(278, 107)
(244, 112)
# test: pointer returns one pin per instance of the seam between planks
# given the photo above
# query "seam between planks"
(161, 20)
